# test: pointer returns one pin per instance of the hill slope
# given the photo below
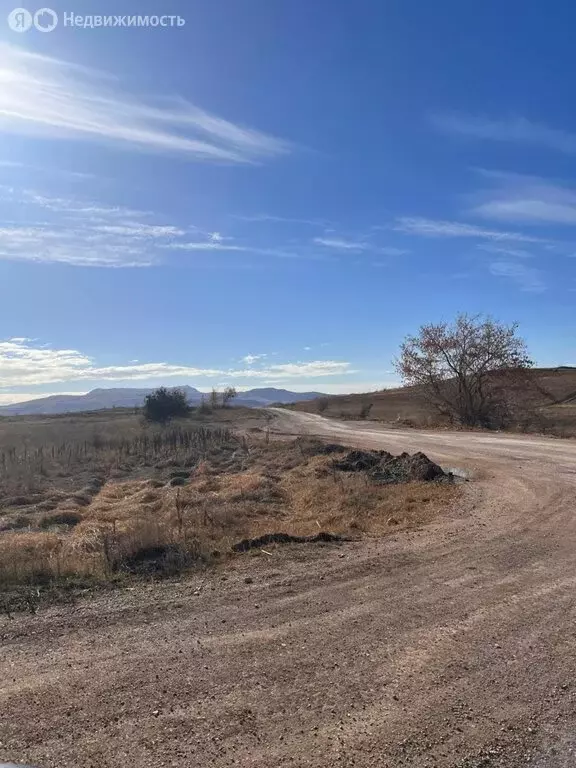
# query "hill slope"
(552, 394)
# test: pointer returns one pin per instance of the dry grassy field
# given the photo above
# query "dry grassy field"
(95, 498)
(550, 401)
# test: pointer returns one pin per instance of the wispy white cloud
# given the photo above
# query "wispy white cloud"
(251, 359)
(526, 278)
(87, 233)
(389, 250)
(517, 130)
(206, 245)
(358, 245)
(65, 205)
(264, 217)
(24, 363)
(211, 245)
(79, 233)
(341, 244)
(527, 200)
(331, 388)
(140, 230)
(434, 228)
(310, 370)
(348, 387)
(528, 210)
(43, 96)
(518, 253)
(80, 175)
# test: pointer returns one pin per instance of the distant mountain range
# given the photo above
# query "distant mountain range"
(121, 397)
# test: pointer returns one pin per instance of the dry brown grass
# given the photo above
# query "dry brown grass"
(231, 490)
(403, 405)
(27, 434)
(348, 503)
(48, 526)
(549, 403)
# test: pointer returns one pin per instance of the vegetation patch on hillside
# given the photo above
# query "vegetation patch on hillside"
(547, 405)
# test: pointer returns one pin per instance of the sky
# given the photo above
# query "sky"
(276, 193)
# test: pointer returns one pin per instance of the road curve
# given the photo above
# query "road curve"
(445, 445)
(452, 646)
(504, 575)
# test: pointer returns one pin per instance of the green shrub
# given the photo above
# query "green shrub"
(164, 404)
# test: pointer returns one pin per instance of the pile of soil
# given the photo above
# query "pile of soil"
(385, 468)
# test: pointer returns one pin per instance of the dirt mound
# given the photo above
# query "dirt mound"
(285, 538)
(383, 467)
(363, 461)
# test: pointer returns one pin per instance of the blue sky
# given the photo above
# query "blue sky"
(275, 193)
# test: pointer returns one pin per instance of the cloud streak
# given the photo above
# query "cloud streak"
(527, 199)
(433, 228)
(211, 245)
(516, 130)
(91, 234)
(23, 363)
(517, 253)
(47, 97)
(341, 245)
(266, 218)
(81, 234)
(527, 279)
(50, 229)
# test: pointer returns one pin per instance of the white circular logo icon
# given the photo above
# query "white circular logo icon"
(45, 20)
(20, 20)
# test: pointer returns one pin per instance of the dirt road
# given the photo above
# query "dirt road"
(453, 645)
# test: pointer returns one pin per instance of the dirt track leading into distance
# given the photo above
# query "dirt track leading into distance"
(453, 645)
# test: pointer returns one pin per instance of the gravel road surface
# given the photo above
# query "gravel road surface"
(449, 646)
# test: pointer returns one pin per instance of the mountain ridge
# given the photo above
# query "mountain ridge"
(133, 397)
